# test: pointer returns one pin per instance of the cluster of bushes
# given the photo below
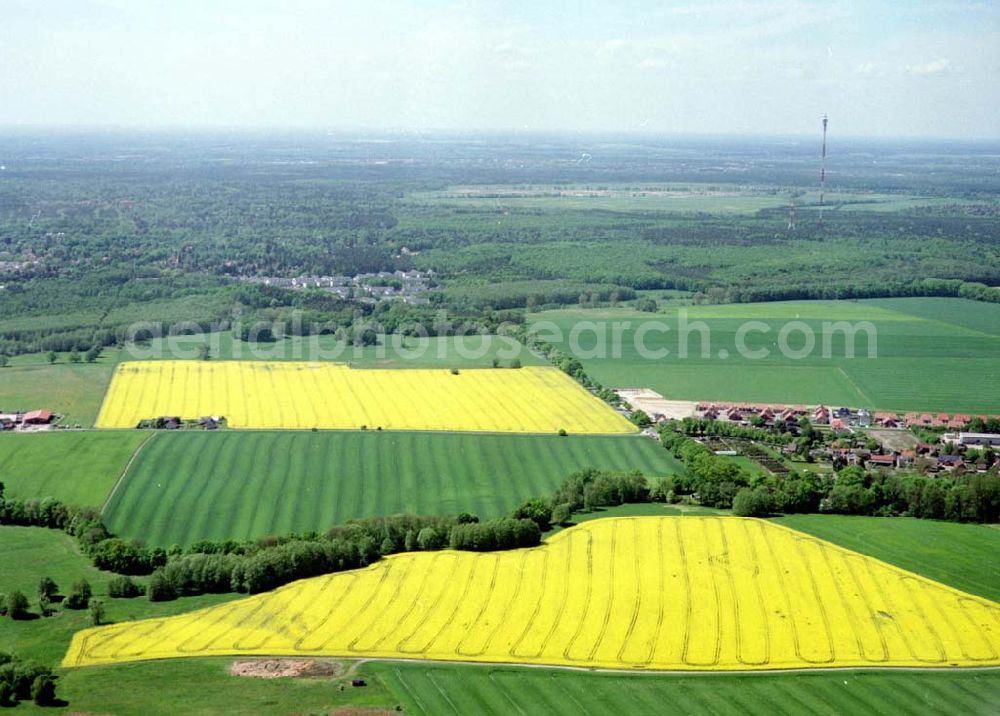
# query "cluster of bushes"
(25, 681)
(589, 489)
(713, 479)
(641, 419)
(126, 557)
(957, 498)
(494, 535)
(16, 605)
(979, 292)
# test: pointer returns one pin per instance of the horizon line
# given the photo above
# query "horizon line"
(415, 132)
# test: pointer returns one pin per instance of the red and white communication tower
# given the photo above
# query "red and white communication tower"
(822, 174)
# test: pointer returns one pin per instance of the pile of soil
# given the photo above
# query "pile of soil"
(285, 668)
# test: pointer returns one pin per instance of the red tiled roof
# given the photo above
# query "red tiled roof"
(38, 416)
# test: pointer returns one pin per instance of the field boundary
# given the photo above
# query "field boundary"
(124, 472)
(640, 671)
(104, 395)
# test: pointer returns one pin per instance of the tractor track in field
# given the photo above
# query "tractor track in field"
(128, 466)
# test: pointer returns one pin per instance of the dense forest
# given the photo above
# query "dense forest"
(98, 231)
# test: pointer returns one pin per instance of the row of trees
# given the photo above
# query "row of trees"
(85, 524)
(926, 287)
(259, 566)
(778, 435)
(567, 364)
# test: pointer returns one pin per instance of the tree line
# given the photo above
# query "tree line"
(260, 565)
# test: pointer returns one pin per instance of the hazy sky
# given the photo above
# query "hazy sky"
(904, 67)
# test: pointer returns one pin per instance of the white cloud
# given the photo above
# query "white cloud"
(934, 68)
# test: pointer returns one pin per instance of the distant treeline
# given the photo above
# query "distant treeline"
(535, 294)
(928, 287)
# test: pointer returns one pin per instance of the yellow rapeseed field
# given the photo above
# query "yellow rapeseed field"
(691, 593)
(334, 396)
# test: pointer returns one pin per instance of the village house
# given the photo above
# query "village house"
(881, 461)
(887, 420)
(950, 462)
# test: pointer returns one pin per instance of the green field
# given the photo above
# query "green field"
(932, 354)
(487, 690)
(939, 354)
(78, 468)
(393, 352)
(961, 555)
(686, 198)
(205, 686)
(73, 390)
(30, 553)
(184, 487)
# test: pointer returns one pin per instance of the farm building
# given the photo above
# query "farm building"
(38, 417)
(972, 438)
(882, 460)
